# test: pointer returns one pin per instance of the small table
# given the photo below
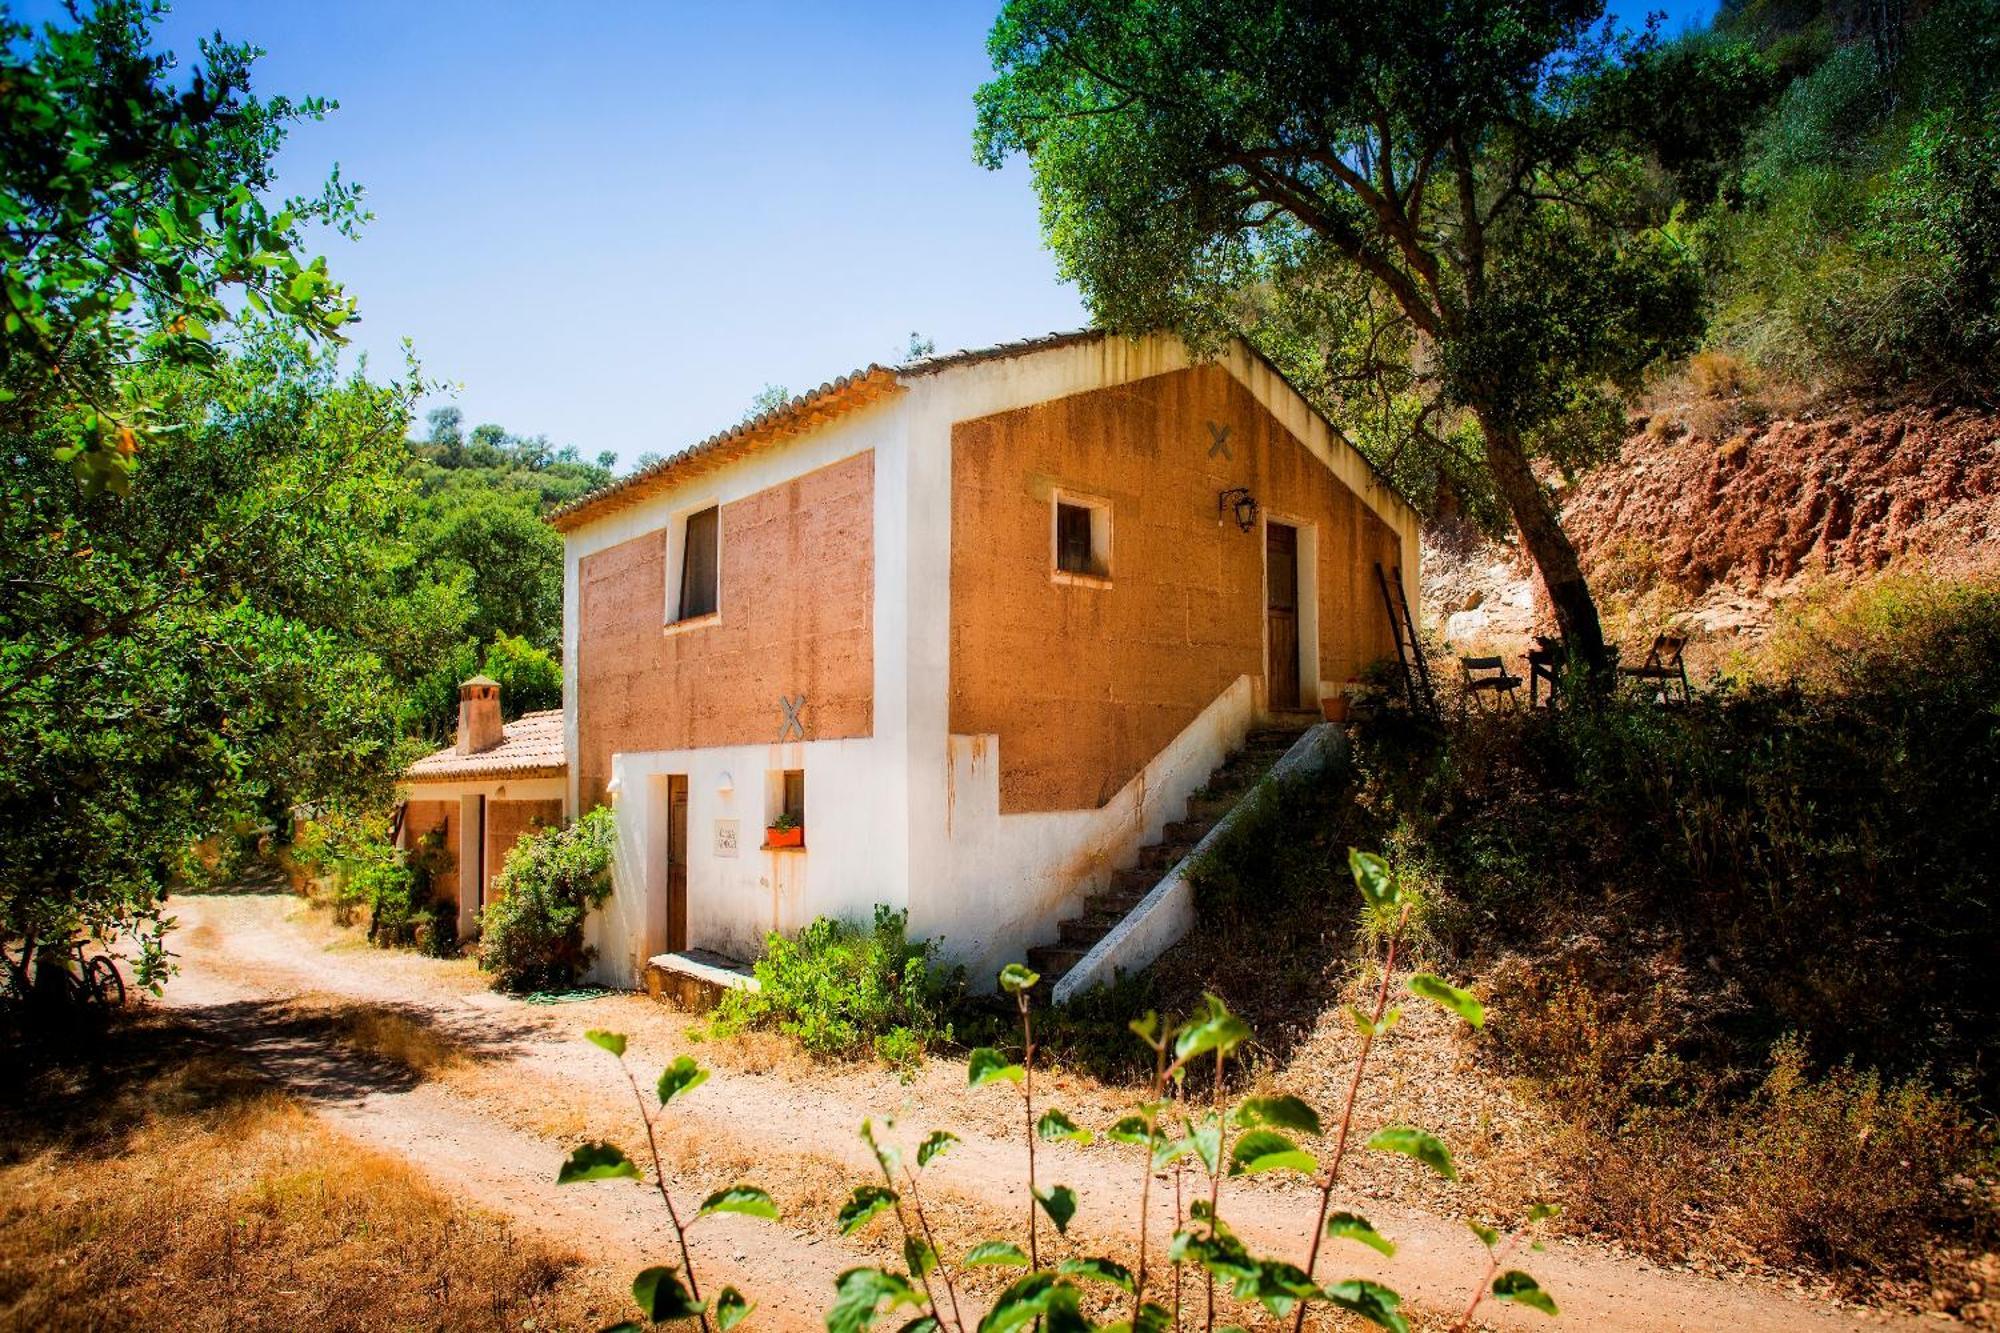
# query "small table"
(1545, 663)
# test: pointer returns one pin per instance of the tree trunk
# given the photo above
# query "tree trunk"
(1548, 545)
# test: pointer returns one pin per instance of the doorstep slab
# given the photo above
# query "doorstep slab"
(695, 979)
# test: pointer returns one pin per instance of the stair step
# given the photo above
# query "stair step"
(1184, 831)
(1053, 960)
(1084, 931)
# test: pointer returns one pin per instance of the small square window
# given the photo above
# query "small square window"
(1082, 538)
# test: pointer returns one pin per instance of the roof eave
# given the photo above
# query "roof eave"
(802, 415)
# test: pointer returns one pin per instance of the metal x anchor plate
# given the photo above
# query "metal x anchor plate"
(793, 722)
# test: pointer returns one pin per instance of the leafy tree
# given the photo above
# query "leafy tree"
(195, 656)
(1470, 199)
(1864, 247)
(133, 221)
(767, 399)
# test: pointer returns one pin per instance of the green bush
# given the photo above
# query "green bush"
(842, 990)
(531, 934)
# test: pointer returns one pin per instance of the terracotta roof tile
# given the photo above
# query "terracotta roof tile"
(532, 746)
(869, 384)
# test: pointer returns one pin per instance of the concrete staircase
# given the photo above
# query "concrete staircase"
(1226, 786)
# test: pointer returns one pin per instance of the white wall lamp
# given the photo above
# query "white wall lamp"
(725, 785)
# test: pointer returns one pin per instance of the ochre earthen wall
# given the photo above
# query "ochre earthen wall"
(440, 817)
(506, 821)
(797, 617)
(1082, 684)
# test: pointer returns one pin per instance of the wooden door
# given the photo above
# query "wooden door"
(1281, 613)
(677, 863)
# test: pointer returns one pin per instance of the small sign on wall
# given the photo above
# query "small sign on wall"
(725, 837)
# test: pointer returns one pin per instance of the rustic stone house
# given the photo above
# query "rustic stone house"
(963, 636)
(478, 795)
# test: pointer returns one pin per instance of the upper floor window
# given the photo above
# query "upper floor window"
(1082, 539)
(701, 565)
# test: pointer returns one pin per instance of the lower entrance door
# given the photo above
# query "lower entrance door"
(677, 863)
(1281, 613)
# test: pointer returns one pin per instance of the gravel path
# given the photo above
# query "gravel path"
(494, 1125)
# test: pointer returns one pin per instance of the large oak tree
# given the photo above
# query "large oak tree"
(1488, 188)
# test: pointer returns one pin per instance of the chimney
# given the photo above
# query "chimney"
(479, 715)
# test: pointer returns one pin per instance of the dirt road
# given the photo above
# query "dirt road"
(518, 1087)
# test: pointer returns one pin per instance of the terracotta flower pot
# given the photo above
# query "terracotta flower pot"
(785, 837)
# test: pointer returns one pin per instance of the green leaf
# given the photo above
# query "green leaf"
(1460, 1002)
(863, 1204)
(918, 1256)
(859, 1295)
(1487, 1235)
(987, 1065)
(1131, 1129)
(1030, 1297)
(1516, 1286)
(1542, 1212)
(1153, 1318)
(1054, 1126)
(1213, 1028)
(934, 1146)
(995, 1252)
(1205, 1141)
(613, 1042)
(1371, 1300)
(1146, 1027)
(1378, 884)
(887, 1155)
(1276, 1285)
(1099, 1270)
(1352, 1226)
(1415, 1143)
(1365, 1024)
(1281, 1112)
(730, 1307)
(1059, 1202)
(1015, 978)
(597, 1161)
(1267, 1150)
(745, 1199)
(661, 1296)
(683, 1075)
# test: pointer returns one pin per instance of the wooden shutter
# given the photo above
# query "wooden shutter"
(699, 565)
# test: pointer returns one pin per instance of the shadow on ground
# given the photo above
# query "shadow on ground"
(85, 1089)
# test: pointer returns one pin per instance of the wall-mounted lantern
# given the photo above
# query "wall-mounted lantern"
(725, 785)
(1238, 501)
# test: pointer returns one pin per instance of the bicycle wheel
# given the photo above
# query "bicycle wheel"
(105, 985)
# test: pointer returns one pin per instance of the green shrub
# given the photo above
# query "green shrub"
(531, 934)
(842, 990)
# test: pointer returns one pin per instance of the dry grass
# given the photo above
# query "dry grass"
(413, 1043)
(169, 1188)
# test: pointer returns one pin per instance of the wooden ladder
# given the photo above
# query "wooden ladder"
(1409, 652)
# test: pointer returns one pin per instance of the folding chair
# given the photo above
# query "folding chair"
(1487, 679)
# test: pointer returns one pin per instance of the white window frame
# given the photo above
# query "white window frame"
(1100, 538)
(676, 560)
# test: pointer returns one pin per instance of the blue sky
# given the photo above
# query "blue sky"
(612, 224)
